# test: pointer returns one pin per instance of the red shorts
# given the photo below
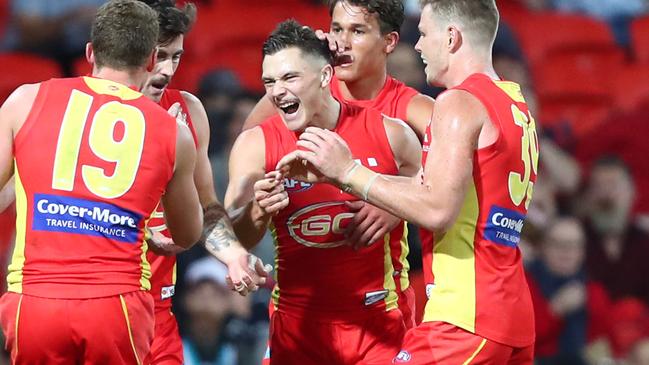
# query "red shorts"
(407, 307)
(443, 343)
(308, 341)
(110, 330)
(167, 347)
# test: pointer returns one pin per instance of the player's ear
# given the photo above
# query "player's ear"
(391, 39)
(151, 62)
(454, 38)
(326, 75)
(90, 55)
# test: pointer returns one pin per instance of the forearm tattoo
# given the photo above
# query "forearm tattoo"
(218, 230)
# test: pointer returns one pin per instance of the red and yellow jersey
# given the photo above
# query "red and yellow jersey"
(315, 271)
(391, 101)
(91, 162)
(163, 268)
(479, 283)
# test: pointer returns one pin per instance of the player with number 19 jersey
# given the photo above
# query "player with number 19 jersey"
(82, 202)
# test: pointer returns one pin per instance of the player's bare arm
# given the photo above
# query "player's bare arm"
(263, 110)
(247, 169)
(183, 212)
(456, 127)
(13, 114)
(203, 170)
(245, 271)
(420, 110)
(370, 223)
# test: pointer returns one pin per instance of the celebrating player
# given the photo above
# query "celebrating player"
(93, 158)
(480, 166)
(363, 33)
(324, 287)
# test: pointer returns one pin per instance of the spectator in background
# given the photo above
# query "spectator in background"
(218, 90)
(570, 310)
(213, 315)
(618, 250)
(56, 29)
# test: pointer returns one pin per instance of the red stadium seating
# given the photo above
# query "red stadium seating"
(631, 86)
(236, 24)
(245, 61)
(576, 86)
(543, 33)
(21, 69)
(640, 39)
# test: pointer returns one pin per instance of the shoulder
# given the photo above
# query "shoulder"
(20, 102)
(457, 103)
(190, 99)
(250, 138)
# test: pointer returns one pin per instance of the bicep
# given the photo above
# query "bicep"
(405, 146)
(419, 113)
(203, 171)
(262, 111)
(246, 166)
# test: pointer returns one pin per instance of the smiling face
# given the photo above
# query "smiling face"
(365, 48)
(294, 83)
(432, 46)
(165, 68)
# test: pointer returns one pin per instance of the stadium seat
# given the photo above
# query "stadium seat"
(640, 39)
(23, 69)
(241, 25)
(631, 86)
(542, 33)
(244, 60)
(575, 86)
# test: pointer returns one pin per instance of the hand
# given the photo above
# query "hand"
(176, 111)
(160, 244)
(368, 225)
(270, 195)
(246, 273)
(569, 298)
(335, 47)
(324, 156)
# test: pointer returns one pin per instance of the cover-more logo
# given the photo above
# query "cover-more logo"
(320, 225)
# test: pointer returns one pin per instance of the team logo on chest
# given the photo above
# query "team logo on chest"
(320, 225)
(295, 186)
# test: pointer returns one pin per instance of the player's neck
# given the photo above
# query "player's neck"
(328, 114)
(468, 65)
(365, 88)
(129, 78)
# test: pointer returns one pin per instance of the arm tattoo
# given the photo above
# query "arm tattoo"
(218, 230)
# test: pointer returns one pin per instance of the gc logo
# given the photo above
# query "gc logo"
(320, 225)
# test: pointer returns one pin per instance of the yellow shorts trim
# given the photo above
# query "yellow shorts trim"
(477, 351)
(128, 327)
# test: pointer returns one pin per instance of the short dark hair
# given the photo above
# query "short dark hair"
(391, 13)
(124, 34)
(479, 16)
(290, 33)
(173, 21)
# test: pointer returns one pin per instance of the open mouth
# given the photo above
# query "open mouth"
(290, 107)
(344, 60)
(159, 85)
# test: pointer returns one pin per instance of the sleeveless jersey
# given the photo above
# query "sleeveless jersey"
(92, 160)
(315, 271)
(479, 282)
(163, 268)
(391, 101)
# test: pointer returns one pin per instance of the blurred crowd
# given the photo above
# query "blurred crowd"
(586, 239)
